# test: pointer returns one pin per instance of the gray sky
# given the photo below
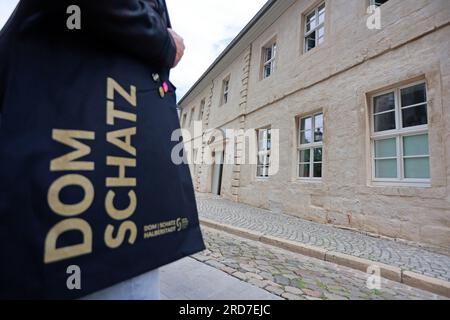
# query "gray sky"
(207, 26)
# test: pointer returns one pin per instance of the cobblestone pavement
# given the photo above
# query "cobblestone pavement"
(293, 276)
(331, 238)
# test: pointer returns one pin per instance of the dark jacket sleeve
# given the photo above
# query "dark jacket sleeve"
(133, 26)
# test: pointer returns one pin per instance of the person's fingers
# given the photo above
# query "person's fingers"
(180, 47)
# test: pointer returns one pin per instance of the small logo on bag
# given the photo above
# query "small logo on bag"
(182, 223)
(74, 280)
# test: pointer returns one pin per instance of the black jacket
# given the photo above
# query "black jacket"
(127, 205)
(136, 27)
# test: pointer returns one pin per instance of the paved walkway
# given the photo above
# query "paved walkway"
(353, 243)
(189, 279)
(283, 273)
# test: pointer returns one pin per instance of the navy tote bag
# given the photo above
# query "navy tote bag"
(87, 182)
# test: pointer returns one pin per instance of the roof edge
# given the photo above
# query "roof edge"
(232, 44)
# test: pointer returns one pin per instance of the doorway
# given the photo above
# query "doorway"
(217, 172)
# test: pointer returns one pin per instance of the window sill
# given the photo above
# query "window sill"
(305, 54)
(309, 180)
(400, 184)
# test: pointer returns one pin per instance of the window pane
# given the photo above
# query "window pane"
(260, 172)
(267, 70)
(415, 145)
(304, 171)
(383, 103)
(317, 154)
(318, 123)
(414, 95)
(306, 137)
(262, 138)
(269, 140)
(311, 21)
(305, 155)
(384, 121)
(261, 159)
(306, 124)
(320, 41)
(322, 14)
(318, 135)
(386, 148)
(386, 168)
(310, 41)
(417, 168)
(317, 170)
(268, 54)
(321, 32)
(415, 116)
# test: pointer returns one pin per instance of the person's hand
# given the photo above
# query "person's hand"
(179, 43)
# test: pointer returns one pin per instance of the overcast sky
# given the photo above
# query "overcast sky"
(207, 26)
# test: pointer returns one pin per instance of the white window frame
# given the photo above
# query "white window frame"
(398, 133)
(269, 62)
(309, 146)
(226, 90)
(266, 153)
(315, 29)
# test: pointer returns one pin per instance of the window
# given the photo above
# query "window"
(315, 27)
(377, 3)
(202, 110)
(269, 55)
(400, 135)
(264, 148)
(225, 90)
(183, 121)
(310, 146)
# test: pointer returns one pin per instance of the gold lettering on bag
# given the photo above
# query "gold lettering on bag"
(122, 139)
(113, 86)
(121, 180)
(69, 210)
(117, 214)
(75, 160)
(53, 254)
(67, 162)
(114, 137)
(116, 242)
(112, 114)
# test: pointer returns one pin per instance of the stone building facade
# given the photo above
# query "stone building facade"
(362, 114)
